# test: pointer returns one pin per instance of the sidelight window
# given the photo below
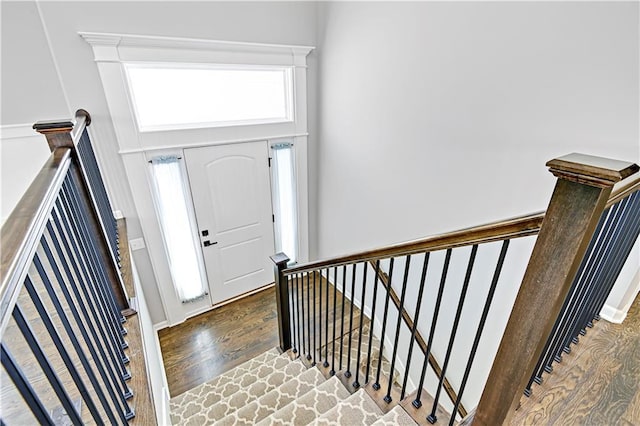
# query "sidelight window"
(284, 200)
(177, 227)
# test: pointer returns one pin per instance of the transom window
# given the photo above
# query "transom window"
(170, 96)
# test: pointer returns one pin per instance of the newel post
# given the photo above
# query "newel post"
(59, 134)
(579, 198)
(282, 300)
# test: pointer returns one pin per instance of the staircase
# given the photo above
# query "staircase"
(280, 389)
(277, 388)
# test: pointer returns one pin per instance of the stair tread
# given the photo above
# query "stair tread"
(283, 371)
(228, 376)
(358, 409)
(396, 417)
(272, 401)
(212, 392)
(375, 351)
(306, 408)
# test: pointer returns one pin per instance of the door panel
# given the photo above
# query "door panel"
(231, 193)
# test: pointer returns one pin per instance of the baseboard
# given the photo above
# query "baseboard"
(160, 325)
(613, 315)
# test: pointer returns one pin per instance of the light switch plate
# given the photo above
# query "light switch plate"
(136, 244)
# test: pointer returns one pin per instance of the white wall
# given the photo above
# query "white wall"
(436, 116)
(19, 142)
(79, 82)
(30, 92)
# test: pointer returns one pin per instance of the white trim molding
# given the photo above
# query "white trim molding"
(18, 131)
(112, 53)
(135, 40)
(612, 314)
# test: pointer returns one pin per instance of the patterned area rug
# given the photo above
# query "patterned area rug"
(272, 389)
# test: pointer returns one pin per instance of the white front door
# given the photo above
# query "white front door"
(231, 192)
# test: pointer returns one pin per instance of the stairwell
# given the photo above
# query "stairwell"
(277, 388)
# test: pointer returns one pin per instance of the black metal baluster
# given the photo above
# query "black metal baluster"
(51, 376)
(300, 302)
(122, 386)
(90, 166)
(305, 348)
(91, 295)
(294, 315)
(431, 418)
(35, 298)
(103, 281)
(414, 329)
(631, 230)
(483, 319)
(309, 357)
(347, 373)
(373, 317)
(85, 312)
(70, 196)
(599, 247)
(552, 349)
(326, 324)
(315, 327)
(614, 260)
(376, 385)
(297, 299)
(344, 283)
(123, 390)
(333, 341)
(407, 265)
(110, 321)
(81, 325)
(356, 383)
(434, 320)
(582, 281)
(24, 387)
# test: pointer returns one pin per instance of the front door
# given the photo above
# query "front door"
(231, 192)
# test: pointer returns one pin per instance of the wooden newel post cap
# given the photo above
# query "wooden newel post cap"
(590, 170)
(280, 258)
(58, 133)
(53, 126)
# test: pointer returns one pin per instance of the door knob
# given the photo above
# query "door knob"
(208, 243)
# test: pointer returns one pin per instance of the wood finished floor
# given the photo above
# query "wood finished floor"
(597, 384)
(209, 344)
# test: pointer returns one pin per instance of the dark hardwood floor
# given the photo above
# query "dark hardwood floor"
(597, 384)
(209, 344)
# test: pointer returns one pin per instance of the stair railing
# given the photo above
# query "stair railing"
(62, 302)
(300, 288)
(590, 226)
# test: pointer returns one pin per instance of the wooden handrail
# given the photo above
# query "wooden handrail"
(517, 227)
(23, 229)
(624, 188)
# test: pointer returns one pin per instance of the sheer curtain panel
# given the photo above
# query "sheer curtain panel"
(178, 228)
